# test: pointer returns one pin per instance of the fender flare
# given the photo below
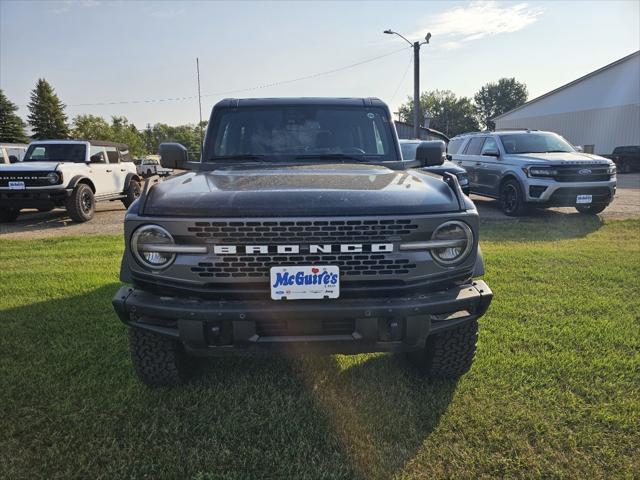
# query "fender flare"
(81, 178)
(131, 176)
(478, 267)
(508, 176)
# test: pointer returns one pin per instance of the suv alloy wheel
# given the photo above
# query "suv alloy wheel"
(512, 199)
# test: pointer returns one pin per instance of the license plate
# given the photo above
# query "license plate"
(305, 282)
(16, 185)
(584, 199)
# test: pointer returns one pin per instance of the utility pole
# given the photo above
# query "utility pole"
(416, 78)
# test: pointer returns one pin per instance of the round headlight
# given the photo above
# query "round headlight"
(53, 178)
(459, 233)
(143, 241)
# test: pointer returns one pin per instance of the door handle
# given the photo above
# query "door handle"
(109, 171)
(123, 170)
(478, 164)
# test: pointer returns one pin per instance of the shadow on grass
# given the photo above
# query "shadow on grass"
(73, 398)
(539, 228)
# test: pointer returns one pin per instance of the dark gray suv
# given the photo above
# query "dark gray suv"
(530, 168)
(302, 229)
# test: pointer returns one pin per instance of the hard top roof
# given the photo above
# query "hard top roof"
(97, 143)
(294, 101)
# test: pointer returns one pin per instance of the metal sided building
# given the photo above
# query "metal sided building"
(599, 111)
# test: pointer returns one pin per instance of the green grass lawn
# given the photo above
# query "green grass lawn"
(554, 391)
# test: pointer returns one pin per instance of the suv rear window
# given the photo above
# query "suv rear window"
(409, 150)
(454, 145)
(474, 147)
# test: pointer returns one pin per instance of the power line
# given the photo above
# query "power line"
(402, 79)
(227, 92)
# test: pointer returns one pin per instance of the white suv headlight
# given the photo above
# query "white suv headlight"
(146, 244)
(53, 177)
(457, 232)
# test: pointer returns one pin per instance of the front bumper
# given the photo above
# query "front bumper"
(335, 326)
(563, 194)
(34, 197)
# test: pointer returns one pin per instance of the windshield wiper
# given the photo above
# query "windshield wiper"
(331, 156)
(236, 157)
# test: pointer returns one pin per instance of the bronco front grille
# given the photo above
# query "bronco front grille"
(30, 179)
(303, 231)
(360, 264)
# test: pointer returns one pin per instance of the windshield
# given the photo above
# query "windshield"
(56, 152)
(305, 132)
(534, 143)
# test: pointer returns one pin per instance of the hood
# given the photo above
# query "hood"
(307, 190)
(560, 158)
(446, 166)
(29, 167)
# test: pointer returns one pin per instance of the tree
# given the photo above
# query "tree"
(187, 135)
(11, 125)
(91, 127)
(494, 99)
(124, 132)
(46, 113)
(449, 114)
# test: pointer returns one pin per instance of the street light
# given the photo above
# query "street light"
(416, 78)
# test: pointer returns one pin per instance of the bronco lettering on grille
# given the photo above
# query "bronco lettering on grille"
(313, 248)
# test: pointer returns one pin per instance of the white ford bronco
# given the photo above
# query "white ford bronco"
(72, 174)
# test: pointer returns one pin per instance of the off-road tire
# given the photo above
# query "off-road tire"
(157, 359)
(512, 199)
(592, 209)
(8, 215)
(449, 354)
(132, 192)
(81, 204)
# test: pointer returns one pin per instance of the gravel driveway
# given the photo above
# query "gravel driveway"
(109, 215)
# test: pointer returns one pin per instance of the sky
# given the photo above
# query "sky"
(110, 57)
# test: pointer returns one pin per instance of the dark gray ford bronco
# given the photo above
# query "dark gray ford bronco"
(302, 229)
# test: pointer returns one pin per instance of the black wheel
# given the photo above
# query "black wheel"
(592, 209)
(149, 172)
(512, 199)
(133, 192)
(157, 359)
(81, 205)
(449, 354)
(8, 215)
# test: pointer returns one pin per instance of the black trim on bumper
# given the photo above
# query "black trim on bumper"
(31, 198)
(379, 324)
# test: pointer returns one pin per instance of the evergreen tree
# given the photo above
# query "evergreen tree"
(11, 125)
(46, 113)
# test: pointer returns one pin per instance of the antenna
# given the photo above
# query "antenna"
(199, 106)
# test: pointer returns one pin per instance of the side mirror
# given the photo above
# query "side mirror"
(13, 159)
(432, 153)
(491, 153)
(578, 148)
(173, 155)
